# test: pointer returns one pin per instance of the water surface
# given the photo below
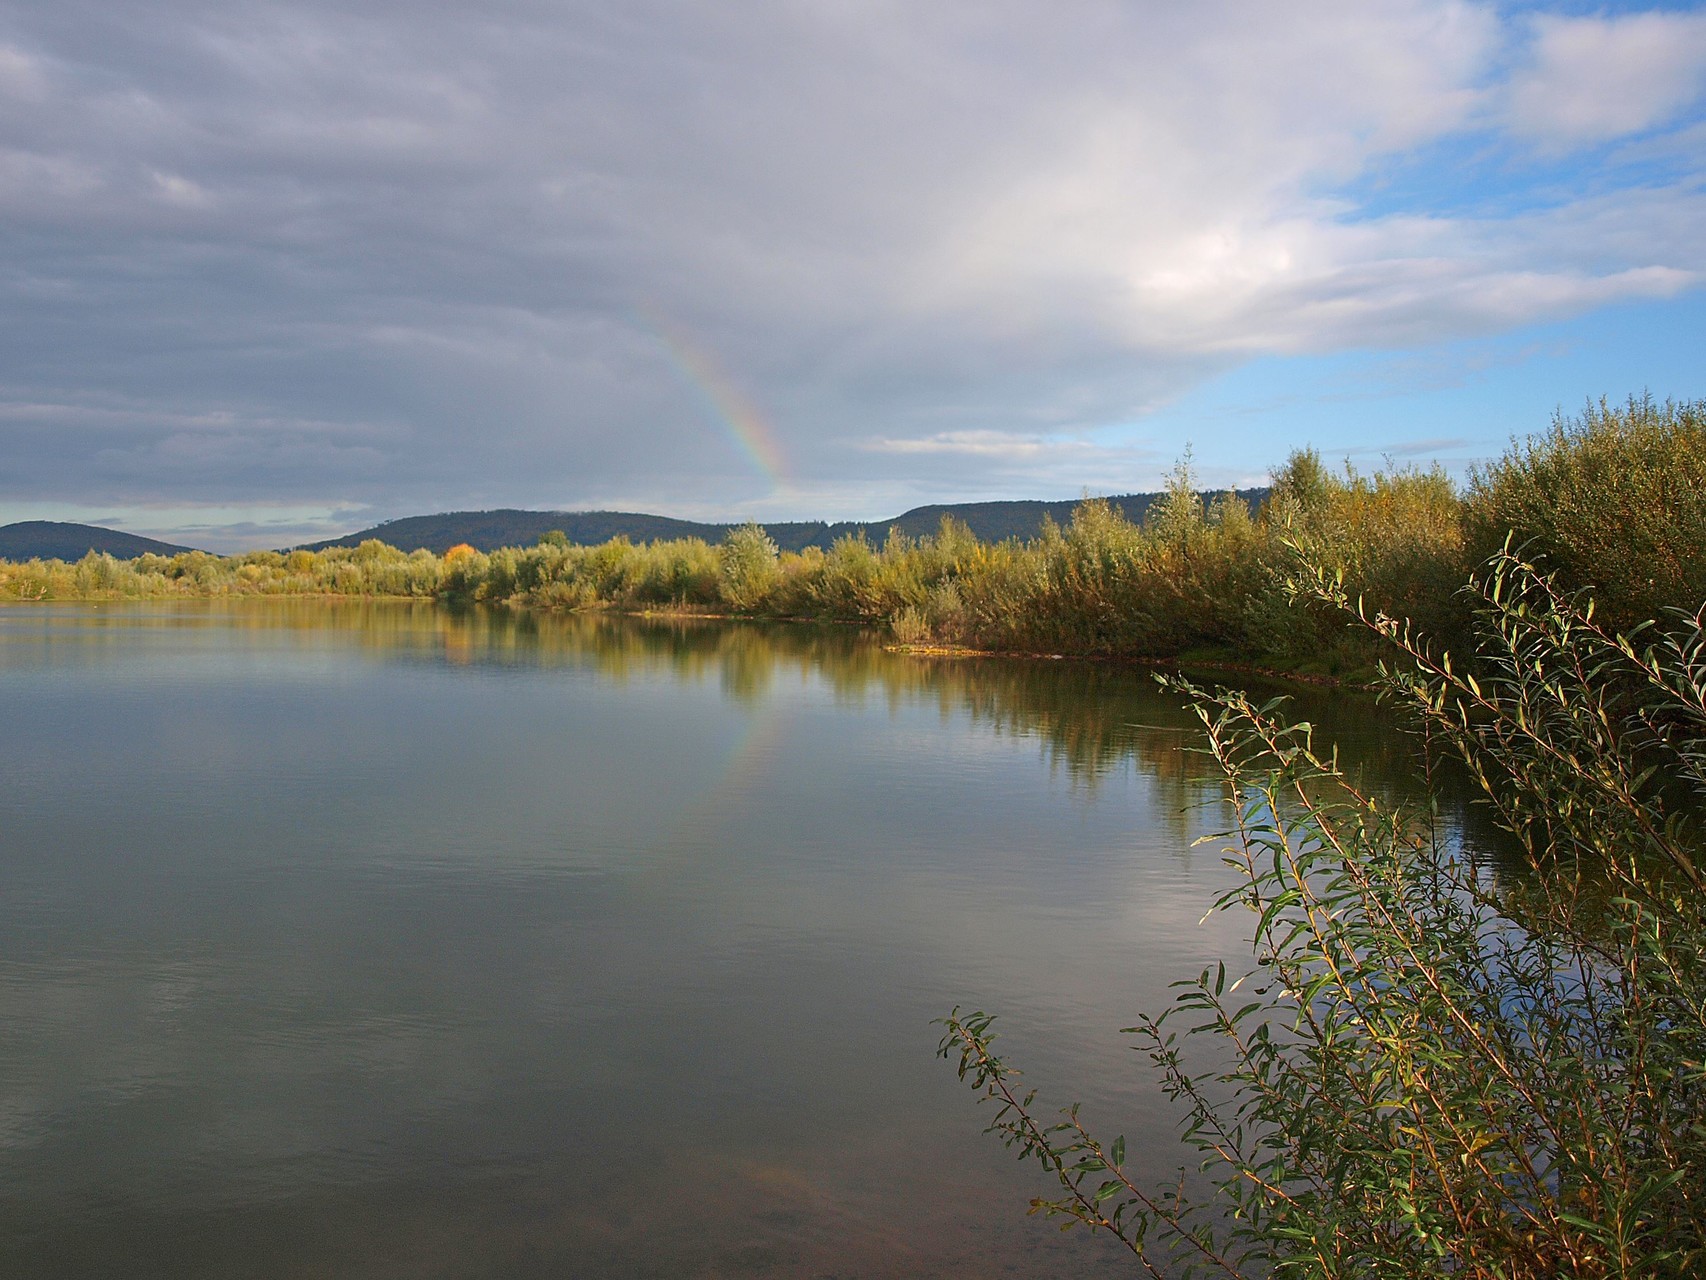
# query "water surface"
(379, 940)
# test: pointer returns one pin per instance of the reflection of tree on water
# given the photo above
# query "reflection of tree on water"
(1091, 717)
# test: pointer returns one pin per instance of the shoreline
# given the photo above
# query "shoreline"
(1184, 664)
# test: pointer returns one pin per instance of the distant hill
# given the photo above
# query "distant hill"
(488, 530)
(57, 540)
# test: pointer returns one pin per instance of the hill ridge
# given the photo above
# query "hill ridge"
(66, 540)
(511, 526)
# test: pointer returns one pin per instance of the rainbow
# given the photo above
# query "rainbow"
(725, 403)
(753, 753)
(749, 757)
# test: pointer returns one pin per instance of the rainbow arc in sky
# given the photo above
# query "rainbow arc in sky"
(722, 399)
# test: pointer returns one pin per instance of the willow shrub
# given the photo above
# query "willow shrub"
(1396, 536)
(370, 569)
(749, 568)
(1102, 585)
(1427, 1076)
(1614, 499)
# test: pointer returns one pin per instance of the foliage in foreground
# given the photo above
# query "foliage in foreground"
(1429, 1076)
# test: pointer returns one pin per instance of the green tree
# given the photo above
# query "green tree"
(748, 568)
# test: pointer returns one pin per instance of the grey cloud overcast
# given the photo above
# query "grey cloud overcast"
(398, 257)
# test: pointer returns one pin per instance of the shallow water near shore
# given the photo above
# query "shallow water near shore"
(375, 939)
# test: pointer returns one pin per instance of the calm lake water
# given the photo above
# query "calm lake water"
(342, 939)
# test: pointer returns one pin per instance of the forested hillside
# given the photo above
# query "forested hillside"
(57, 540)
(489, 530)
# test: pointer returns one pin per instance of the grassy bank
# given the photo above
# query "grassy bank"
(1614, 499)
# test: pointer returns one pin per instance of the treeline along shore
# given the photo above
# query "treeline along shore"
(1612, 500)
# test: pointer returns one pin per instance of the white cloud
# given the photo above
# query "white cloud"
(181, 192)
(1596, 78)
(980, 444)
(125, 418)
(29, 181)
(21, 76)
(1207, 226)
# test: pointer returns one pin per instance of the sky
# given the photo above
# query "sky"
(277, 271)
